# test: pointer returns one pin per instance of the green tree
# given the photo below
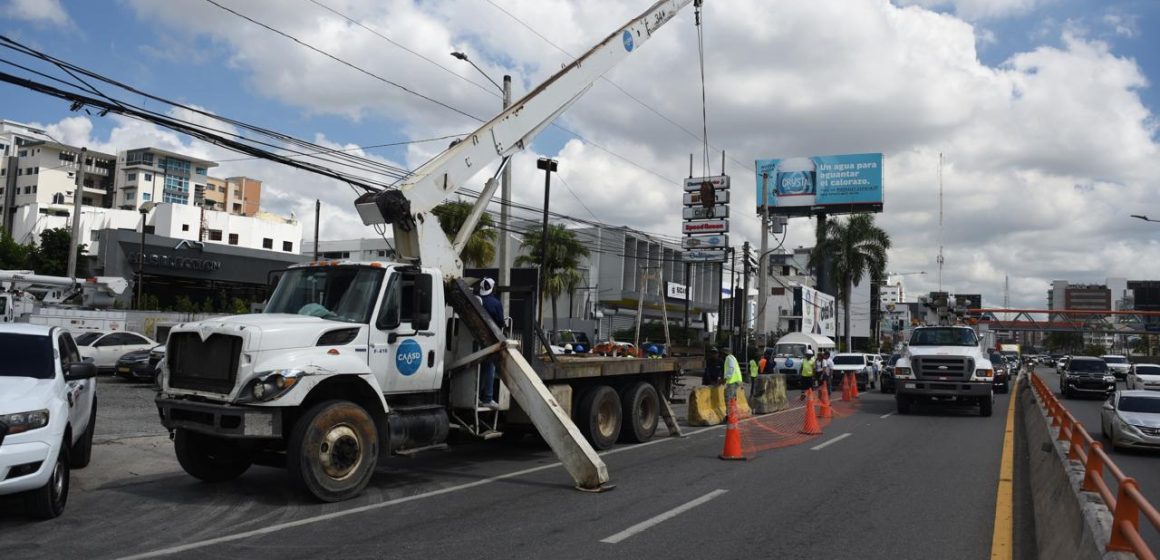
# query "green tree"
(1095, 350)
(13, 256)
(854, 247)
(565, 252)
(1064, 341)
(239, 307)
(51, 256)
(480, 247)
(184, 305)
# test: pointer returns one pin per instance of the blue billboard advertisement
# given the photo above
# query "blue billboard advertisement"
(826, 183)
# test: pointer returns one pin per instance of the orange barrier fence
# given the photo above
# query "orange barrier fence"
(784, 428)
(1128, 504)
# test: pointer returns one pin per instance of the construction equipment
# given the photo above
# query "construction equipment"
(350, 359)
(25, 292)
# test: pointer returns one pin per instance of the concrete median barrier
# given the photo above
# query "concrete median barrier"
(1069, 523)
(707, 406)
(770, 395)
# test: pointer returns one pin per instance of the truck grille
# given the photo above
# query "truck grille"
(938, 367)
(209, 365)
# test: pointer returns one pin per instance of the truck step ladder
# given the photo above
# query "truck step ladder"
(577, 455)
(670, 418)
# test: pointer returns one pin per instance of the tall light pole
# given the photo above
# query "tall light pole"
(505, 194)
(548, 165)
(78, 198)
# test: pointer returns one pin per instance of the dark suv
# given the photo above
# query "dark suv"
(1003, 373)
(1086, 374)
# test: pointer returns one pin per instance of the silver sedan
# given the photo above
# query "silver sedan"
(1132, 419)
(1144, 376)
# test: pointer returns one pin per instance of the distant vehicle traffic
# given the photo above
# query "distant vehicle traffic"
(1002, 379)
(886, 376)
(1086, 374)
(1144, 377)
(1117, 364)
(1132, 419)
(858, 364)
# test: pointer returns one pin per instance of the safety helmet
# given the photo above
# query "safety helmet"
(652, 349)
(809, 352)
(486, 287)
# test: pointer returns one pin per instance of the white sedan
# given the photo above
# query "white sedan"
(1132, 419)
(1144, 376)
(108, 348)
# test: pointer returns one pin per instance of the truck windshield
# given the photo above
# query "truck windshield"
(795, 350)
(849, 360)
(1115, 359)
(26, 355)
(1140, 404)
(943, 337)
(338, 293)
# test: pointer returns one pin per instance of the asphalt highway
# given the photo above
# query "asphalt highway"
(875, 485)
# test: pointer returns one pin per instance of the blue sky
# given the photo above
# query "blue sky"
(1069, 123)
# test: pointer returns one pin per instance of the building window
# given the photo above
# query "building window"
(23, 153)
(3, 171)
(131, 177)
(184, 227)
(27, 190)
(238, 208)
(288, 246)
(130, 196)
(94, 236)
(267, 243)
(150, 229)
(221, 189)
(215, 235)
(148, 176)
(233, 239)
(146, 197)
(36, 171)
(200, 170)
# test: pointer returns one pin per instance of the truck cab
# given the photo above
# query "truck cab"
(944, 365)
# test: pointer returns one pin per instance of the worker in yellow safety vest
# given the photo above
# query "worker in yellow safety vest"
(732, 375)
(807, 373)
(754, 369)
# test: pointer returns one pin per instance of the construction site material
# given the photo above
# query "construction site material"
(732, 450)
(771, 395)
(810, 425)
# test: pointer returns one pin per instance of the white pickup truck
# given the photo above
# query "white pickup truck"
(944, 365)
(48, 409)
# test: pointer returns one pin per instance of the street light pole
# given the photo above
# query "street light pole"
(548, 165)
(78, 198)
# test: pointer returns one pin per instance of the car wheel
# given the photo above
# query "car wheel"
(82, 451)
(334, 450)
(209, 458)
(48, 501)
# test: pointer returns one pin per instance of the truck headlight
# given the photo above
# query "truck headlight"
(902, 372)
(270, 385)
(20, 422)
(1110, 378)
(984, 373)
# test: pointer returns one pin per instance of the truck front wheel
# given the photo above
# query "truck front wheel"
(209, 458)
(640, 414)
(599, 416)
(903, 402)
(333, 451)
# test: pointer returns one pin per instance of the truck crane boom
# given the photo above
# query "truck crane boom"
(418, 237)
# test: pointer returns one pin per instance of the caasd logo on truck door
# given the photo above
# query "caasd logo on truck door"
(408, 357)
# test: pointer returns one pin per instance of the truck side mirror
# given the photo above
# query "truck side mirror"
(80, 370)
(423, 294)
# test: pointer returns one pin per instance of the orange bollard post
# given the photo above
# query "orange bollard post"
(853, 385)
(811, 427)
(827, 412)
(732, 451)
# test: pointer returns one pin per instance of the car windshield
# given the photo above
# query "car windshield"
(1088, 366)
(795, 350)
(1140, 404)
(943, 337)
(26, 355)
(849, 360)
(996, 359)
(1115, 360)
(1147, 370)
(339, 293)
(87, 339)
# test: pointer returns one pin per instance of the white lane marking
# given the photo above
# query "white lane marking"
(887, 415)
(648, 523)
(835, 440)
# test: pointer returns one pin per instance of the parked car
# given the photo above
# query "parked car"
(1086, 374)
(109, 347)
(1118, 365)
(886, 376)
(851, 363)
(875, 362)
(1001, 380)
(1144, 377)
(87, 338)
(48, 411)
(140, 364)
(1132, 419)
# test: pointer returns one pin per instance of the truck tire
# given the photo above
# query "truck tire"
(599, 416)
(903, 403)
(640, 412)
(208, 458)
(333, 451)
(81, 453)
(986, 406)
(48, 501)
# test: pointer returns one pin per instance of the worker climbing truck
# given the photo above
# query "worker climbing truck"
(944, 365)
(350, 362)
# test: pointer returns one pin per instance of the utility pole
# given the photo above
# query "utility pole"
(317, 216)
(78, 194)
(745, 307)
(732, 294)
(505, 202)
(762, 271)
(548, 165)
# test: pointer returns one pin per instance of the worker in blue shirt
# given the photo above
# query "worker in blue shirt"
(494, 309)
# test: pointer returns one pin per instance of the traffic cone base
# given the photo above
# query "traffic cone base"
(732, 450)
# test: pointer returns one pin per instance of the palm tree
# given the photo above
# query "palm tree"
(480, 247)
(853, 247)
(564, 254)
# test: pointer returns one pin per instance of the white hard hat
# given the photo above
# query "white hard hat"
(809, 352)
(486, 287)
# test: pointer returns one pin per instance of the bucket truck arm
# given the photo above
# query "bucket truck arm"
(418, 237)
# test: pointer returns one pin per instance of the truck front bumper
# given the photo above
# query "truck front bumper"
(224, 420)
(943, 389)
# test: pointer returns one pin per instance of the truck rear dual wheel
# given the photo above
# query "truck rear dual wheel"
(640, 412)
(209, 458)
(333, 451)
(599, 416)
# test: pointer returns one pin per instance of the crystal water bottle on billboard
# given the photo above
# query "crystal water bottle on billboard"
(796, 180)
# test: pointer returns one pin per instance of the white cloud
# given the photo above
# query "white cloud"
(1045, 155)
(1121, 24)
(38, 11)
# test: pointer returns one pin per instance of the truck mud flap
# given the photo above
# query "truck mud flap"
(554, 425)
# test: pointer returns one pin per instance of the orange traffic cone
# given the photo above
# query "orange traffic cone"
(826, 410)
(811, 427)
(846, 387)
(732, 451)
(853, 386)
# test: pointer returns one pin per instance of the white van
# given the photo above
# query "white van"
(789, 350)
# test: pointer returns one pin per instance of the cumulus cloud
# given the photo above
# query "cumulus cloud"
(37, 11)
(1045, 155)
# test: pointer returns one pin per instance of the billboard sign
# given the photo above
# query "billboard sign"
(705, 256)
(698, 213)
(709, 226)
(705, 242)
(719, 182)
(819, 312)
(831, 184)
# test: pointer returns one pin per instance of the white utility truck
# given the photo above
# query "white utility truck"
(944, 365)
(23, 293)
(350, 362)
